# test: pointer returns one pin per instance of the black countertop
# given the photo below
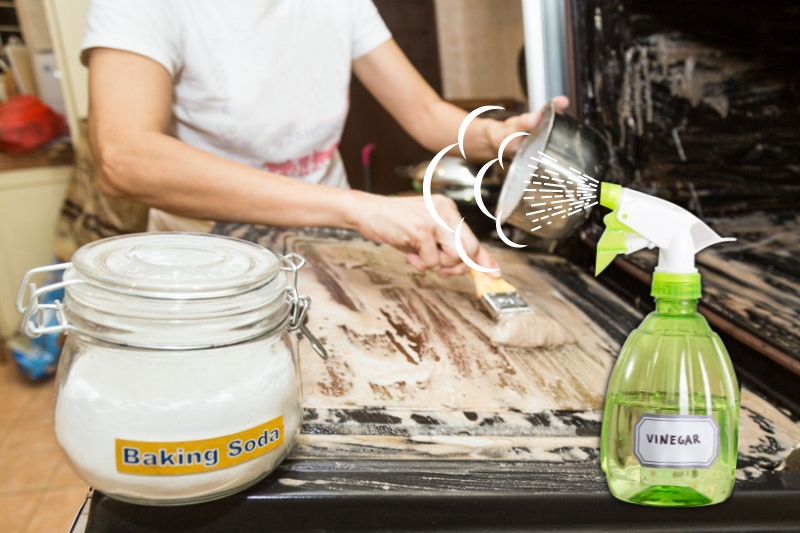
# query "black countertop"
(451, 496)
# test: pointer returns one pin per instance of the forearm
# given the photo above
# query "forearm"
(161, 171)
(438, 125)
(164, 172)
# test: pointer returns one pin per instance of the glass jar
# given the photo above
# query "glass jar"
(178, 380)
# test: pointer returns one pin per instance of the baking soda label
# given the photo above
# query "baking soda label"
(676, 441)
(197, 456)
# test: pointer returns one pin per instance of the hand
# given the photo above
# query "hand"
(497, 130)
(406, 224)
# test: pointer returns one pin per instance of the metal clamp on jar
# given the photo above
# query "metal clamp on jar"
(179, 380)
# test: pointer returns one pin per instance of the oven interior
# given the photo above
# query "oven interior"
(699, 103)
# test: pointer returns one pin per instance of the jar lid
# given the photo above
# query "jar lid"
(176, 265)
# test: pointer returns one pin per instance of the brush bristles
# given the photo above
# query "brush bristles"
(530, 330)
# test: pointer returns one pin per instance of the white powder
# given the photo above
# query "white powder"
(113, 392)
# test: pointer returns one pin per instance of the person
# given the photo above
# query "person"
(233, 111)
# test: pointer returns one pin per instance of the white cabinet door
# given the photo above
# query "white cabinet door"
(30, 201)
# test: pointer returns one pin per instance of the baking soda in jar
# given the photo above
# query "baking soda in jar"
(107, 427)
(178, 381)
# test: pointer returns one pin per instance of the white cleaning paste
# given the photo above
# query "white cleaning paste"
(160, 425)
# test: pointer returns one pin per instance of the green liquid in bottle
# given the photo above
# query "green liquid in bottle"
(673, 368)
(667, 487)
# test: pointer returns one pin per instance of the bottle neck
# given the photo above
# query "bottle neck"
(676, 306)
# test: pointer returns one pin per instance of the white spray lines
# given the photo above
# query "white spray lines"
(561, 192)
(553, 190)
(426, 186)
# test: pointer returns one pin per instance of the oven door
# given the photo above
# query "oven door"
(417, 422)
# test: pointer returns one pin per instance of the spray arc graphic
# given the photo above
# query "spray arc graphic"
(563, 192)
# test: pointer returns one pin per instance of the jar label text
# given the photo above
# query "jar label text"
(196, 456)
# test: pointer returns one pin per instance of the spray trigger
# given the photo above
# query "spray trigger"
(651, 222)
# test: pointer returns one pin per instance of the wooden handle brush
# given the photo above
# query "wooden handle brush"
(518, 324)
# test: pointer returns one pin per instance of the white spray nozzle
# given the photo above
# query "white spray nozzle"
(639, 220)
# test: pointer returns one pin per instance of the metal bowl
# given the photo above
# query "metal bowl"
(566, 144)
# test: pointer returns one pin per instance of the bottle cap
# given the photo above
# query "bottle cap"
(676, 286)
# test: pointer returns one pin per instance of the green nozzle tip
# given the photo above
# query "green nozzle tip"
(610, 194)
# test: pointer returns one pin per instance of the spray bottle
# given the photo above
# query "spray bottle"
(670, 425)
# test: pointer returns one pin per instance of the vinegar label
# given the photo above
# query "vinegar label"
(676, 441)
(196, 456)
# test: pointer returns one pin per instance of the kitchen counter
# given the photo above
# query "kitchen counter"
(56, 155)
(417, 422)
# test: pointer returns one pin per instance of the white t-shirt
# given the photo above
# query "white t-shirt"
(261, 82)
